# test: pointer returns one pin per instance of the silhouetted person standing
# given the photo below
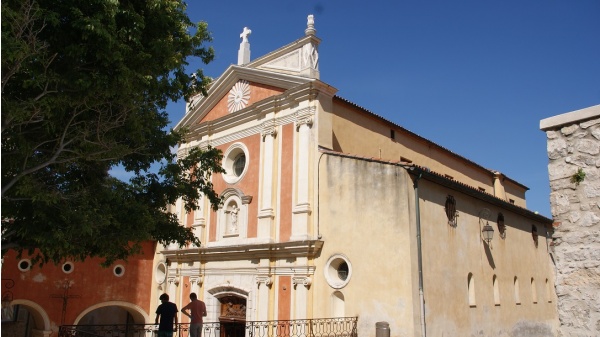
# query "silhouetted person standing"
(167, 312)
(198, 310)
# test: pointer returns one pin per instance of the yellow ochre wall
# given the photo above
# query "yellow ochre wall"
(367, 213)
(451, 253)
(359, 133)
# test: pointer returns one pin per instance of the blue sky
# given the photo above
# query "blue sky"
(473, 76)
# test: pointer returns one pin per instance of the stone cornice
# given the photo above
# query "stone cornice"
(577, 116)
(308, 248)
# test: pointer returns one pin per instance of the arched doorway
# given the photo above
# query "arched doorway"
(17, 321)
(114, 318)
(113, 312)
(233, 316)
(107, 315)
(23, 318)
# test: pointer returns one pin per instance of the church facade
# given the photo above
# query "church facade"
(328, 210)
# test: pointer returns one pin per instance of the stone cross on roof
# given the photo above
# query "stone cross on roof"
(244, 52)
(245, 34)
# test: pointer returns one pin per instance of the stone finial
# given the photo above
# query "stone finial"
(244, 52)
(310, 25)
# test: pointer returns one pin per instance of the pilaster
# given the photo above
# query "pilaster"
(172, 284)
(302, 208)
(263, 283)
(266, 214)
(301, 285)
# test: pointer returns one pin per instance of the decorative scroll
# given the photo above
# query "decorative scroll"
(304, 117)
(268, 129)
(267, 280)
(302, 280)
(196, 280)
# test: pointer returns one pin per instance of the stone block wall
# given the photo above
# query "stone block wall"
(573, 144)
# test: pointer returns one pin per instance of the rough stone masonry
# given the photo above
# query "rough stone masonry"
(573, 144)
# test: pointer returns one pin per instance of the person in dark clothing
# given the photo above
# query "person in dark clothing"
(167, 312)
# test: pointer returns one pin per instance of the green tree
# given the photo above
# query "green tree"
(85, 85)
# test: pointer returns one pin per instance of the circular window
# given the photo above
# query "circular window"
(67, 267)
(161, 273)
(119, 270)
(24, 265)
(235, 163)
(338, 271)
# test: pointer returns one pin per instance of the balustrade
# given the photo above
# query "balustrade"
(316, 327)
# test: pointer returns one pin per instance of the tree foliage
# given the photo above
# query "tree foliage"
(85, 85)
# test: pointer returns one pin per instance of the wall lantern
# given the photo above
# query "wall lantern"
(487, 233)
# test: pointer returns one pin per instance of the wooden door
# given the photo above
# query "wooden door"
(233, 316)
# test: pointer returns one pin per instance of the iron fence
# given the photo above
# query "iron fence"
(316, 327)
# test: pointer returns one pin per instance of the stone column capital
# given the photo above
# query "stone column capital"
(268, 129)
(304, 117)
(196, 280)
(267, 280)
(302, 280)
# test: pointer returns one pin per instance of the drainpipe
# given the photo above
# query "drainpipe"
(420, 257)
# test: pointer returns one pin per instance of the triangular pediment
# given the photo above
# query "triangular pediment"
(199, 107)
(280, 70)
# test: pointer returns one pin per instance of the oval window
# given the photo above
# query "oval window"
(338, 271)
(119, 270)
(235, 163)
(160, 274)
(68, 267)
(24, 265)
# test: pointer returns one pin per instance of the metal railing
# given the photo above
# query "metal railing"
(316, 327)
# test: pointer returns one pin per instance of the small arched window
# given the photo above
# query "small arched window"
(533, 291)
(548, 291)
(471, 289)
(337, 304)
(496, 291)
